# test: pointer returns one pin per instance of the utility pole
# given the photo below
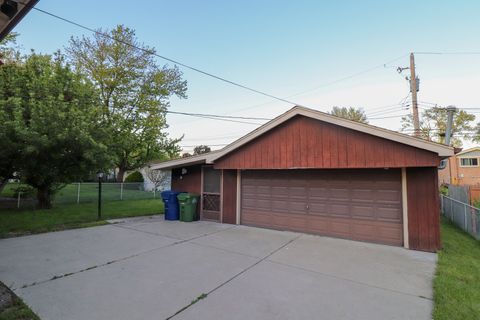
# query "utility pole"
(413, 90)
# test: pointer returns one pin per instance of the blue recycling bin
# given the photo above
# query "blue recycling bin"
(170, 202)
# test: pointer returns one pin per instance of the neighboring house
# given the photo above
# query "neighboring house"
(462, 168)
(308, 171)
(149, 185)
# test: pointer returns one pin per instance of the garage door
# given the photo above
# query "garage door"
(354, 204)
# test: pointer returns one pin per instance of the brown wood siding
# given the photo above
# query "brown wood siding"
(189, 182)
(229, 194)
(423, 209)
(354, 204)
(308, 143)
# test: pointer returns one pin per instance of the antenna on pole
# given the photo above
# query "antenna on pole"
(448, 133)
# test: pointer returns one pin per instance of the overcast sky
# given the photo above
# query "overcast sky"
(286, 48)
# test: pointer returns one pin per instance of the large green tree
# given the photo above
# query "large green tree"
(134, 93)
(9, 144)
(50, 126)
(354, 114)
(433, 124)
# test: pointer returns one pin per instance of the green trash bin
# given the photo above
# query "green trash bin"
(188, 206)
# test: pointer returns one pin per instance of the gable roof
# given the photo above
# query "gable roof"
(440, 149)
(180, 162)
(468, 151)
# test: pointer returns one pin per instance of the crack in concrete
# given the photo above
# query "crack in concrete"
(205, 295)
(224, 250)
(146, 232)
(349, 280)
(179, 241)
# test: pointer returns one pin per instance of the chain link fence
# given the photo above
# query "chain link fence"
(462, 215)
(16, 195)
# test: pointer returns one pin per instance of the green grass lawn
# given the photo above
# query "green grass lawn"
(457, 282)
(15, 309)
(60, 217)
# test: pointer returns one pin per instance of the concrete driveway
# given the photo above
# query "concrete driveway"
(148, 268)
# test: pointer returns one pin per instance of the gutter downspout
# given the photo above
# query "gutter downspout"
(448, 134)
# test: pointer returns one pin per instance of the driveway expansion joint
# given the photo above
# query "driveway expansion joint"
(349, 280)
(179, 241)
(205, 295)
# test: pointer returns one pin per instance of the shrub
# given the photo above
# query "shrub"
(26, 191)
(135, 176)
(444, 190)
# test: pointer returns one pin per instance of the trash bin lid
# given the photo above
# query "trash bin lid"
(183, 196)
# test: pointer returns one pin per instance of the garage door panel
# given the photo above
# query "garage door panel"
(288, 221)
(339, 209)
(318, 194)
(354, 204)
(280, 221)
(339, 194)
(340, 228)
(390, 214)
(363, 211)
(319, 209)
(362, 194)
(388, 195)
(263, 190)
(297, 207)
(279, 191)
(280, 206)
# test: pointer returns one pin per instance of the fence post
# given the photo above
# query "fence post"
(154, 192)
(78, 193)
(465, 218)
(441, 204)
(121, 191)
(18, 199)
(451, 210)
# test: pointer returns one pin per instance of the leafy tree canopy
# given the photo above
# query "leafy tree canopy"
(134, 94)
(433, 124)
(201, 149)
(354, 114)
(49, 124)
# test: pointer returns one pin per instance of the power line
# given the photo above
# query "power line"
(383, 65)
(216, 116)
(162, 57)
(397, 116)
(211, 139)
(228, 120)
(328, 83)
(388, 110)
(210, 145)
(448, 53)
(285, 99)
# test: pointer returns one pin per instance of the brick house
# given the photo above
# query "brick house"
(462, 168)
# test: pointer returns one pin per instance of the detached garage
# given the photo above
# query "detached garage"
(312, 172)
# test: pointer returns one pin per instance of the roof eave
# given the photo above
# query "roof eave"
(183, 162)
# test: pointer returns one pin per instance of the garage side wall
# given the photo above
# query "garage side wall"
(229, 194)
(423, 209)
(191, 181)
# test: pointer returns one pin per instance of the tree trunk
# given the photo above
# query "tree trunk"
(3, 183)
(120, 174)
(44, 197)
